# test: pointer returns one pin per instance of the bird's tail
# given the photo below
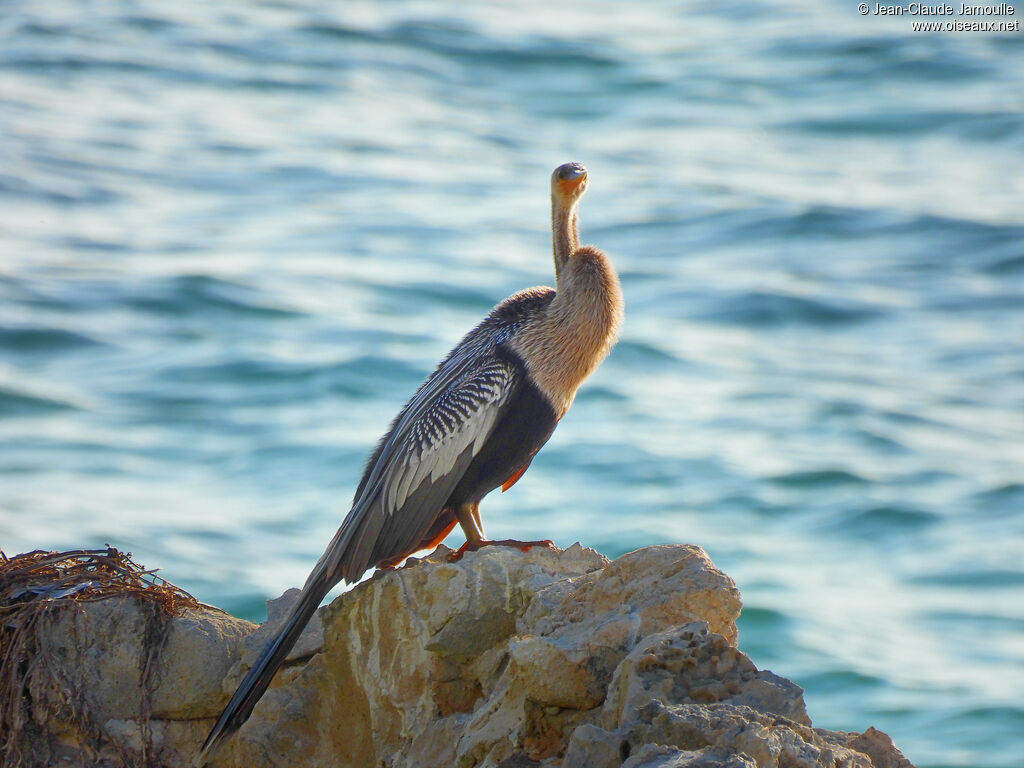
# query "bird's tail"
(262, 672)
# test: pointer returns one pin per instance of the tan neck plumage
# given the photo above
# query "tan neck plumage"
(566, 343)
(564, 232)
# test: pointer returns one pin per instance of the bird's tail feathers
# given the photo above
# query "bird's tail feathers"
(262, 672)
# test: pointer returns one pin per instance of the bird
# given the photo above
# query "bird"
(475, 424)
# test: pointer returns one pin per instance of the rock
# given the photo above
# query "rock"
(116, 676)
(505, 659)
(691, 664)
(310, 641)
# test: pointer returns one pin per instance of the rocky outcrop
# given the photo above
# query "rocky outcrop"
(505, 658)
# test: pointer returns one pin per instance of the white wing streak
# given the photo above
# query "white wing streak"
(462, 417)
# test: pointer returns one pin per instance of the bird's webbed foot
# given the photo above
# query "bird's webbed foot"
(473, 546)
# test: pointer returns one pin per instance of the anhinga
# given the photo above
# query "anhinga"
(474, 424)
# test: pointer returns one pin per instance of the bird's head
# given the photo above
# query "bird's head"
(569, 182)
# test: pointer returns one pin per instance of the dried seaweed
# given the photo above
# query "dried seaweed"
(83, 575)
(34, 585)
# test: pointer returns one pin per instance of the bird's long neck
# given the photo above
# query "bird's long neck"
(578, 328)
(564, 232)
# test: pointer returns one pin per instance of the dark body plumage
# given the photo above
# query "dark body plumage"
(482, 371)
(475, 424)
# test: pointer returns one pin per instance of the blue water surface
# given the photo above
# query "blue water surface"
(235, 237)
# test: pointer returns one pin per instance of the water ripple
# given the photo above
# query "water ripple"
(233, 241)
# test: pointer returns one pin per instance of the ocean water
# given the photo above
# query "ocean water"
(235, 237)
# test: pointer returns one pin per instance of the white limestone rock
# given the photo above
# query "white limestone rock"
(504, 659)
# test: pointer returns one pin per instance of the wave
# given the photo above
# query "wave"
(29, 339)
(14, 402)
(200, 294)
(764, 309)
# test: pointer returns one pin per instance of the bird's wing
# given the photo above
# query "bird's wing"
(472, 353)
(424, 458)
(426, 454)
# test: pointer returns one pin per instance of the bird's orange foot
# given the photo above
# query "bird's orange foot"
(455, 556)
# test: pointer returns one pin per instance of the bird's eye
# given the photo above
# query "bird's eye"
(571, 171)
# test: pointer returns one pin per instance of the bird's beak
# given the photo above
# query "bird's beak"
(568, 187)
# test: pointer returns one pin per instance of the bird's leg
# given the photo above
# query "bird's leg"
(474, 510)
(468, 516)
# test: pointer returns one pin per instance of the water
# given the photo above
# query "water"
(233, 239)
